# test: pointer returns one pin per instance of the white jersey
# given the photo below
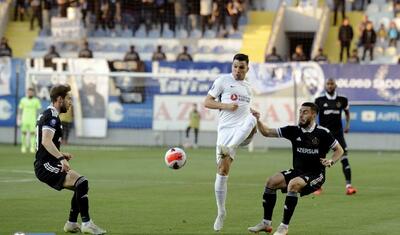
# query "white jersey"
(229, 90)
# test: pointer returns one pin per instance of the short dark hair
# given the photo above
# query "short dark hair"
(241, 57)
(313, 106)
(59, 90)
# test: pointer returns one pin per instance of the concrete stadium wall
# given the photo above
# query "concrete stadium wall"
(134, 137)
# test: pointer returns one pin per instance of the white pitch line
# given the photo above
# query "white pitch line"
(17, 171)
(16, 180)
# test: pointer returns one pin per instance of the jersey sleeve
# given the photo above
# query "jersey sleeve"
(286, 132)
(330, 140)
(217, 88)
(49, 122)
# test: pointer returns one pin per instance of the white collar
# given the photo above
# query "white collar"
(309, 130)
(331, 97)
(53, 109)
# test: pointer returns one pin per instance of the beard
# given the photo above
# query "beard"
(305, 124)
(63, 109)
(330, 92)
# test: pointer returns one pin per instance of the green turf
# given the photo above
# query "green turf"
(133, 192)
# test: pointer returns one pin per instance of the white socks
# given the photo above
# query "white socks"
(220, 192)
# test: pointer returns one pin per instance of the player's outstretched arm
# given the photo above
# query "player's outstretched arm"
(210, 103)
(265, 131)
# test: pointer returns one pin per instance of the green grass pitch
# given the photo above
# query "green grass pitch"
(133, 192)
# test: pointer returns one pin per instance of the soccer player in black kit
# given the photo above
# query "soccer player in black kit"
(331, 106)
(52, 167)
(310, 144)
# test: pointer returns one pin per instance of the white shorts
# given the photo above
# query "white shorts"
(233, 137)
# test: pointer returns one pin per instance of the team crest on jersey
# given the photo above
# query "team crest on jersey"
(53, 122)
(234, 97)
(338, 105)
(315, 141)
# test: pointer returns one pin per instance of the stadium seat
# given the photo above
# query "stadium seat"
(195, 33)
(154, 33)
(388, 7)
(210, 34)
(378, 2)
(182, 34)
(122, 48)
(391, 51)
(100, 33)
(378, 51)
(168, 33)
(39, 46)
(371, 9)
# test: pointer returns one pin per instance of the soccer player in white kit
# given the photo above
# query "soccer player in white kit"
(236, 125)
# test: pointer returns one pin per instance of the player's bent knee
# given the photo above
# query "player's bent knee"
(70, 179)
(296, 184)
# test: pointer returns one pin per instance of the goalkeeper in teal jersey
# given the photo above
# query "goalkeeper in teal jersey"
(28, 109)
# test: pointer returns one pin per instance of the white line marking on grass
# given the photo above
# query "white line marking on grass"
(17, 171)
(16, 180)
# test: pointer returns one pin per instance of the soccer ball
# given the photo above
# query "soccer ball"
(175, 158)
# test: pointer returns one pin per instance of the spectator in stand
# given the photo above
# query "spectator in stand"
(36, 6)
(49, 57)
(84, 10)
(368, 40)
(396, 8)
(159, 55)
(205, 14)
(235, 8)
(393, 34)
(132, 55)
(345, 36)
(321, 58)
(85, 52)
(193, 8)
(62, 7)
(273, 57)
(148, 6)
(336, 5)
(361, 27)
(184, 55)
(19, 10)
(382, 35)
(354, 59)
(180, 14)
(46, 14)
(5, 49)
(298, 54)
(219, 14)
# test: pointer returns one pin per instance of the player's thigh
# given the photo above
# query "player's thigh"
(313, 183)
(276, 181)
(296, 184)
(70, 179)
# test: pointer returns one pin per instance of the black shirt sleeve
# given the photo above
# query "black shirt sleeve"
(287, 132)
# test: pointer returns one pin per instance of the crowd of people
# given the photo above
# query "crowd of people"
(184, 15)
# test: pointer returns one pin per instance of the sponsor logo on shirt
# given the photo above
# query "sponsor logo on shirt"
(307, 150)
(331, 111)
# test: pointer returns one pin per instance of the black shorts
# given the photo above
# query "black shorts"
(314, 180)
(340, 138)
(50, 173)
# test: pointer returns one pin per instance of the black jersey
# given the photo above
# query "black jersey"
(330, 111)
(48, 120)
(308, 146)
